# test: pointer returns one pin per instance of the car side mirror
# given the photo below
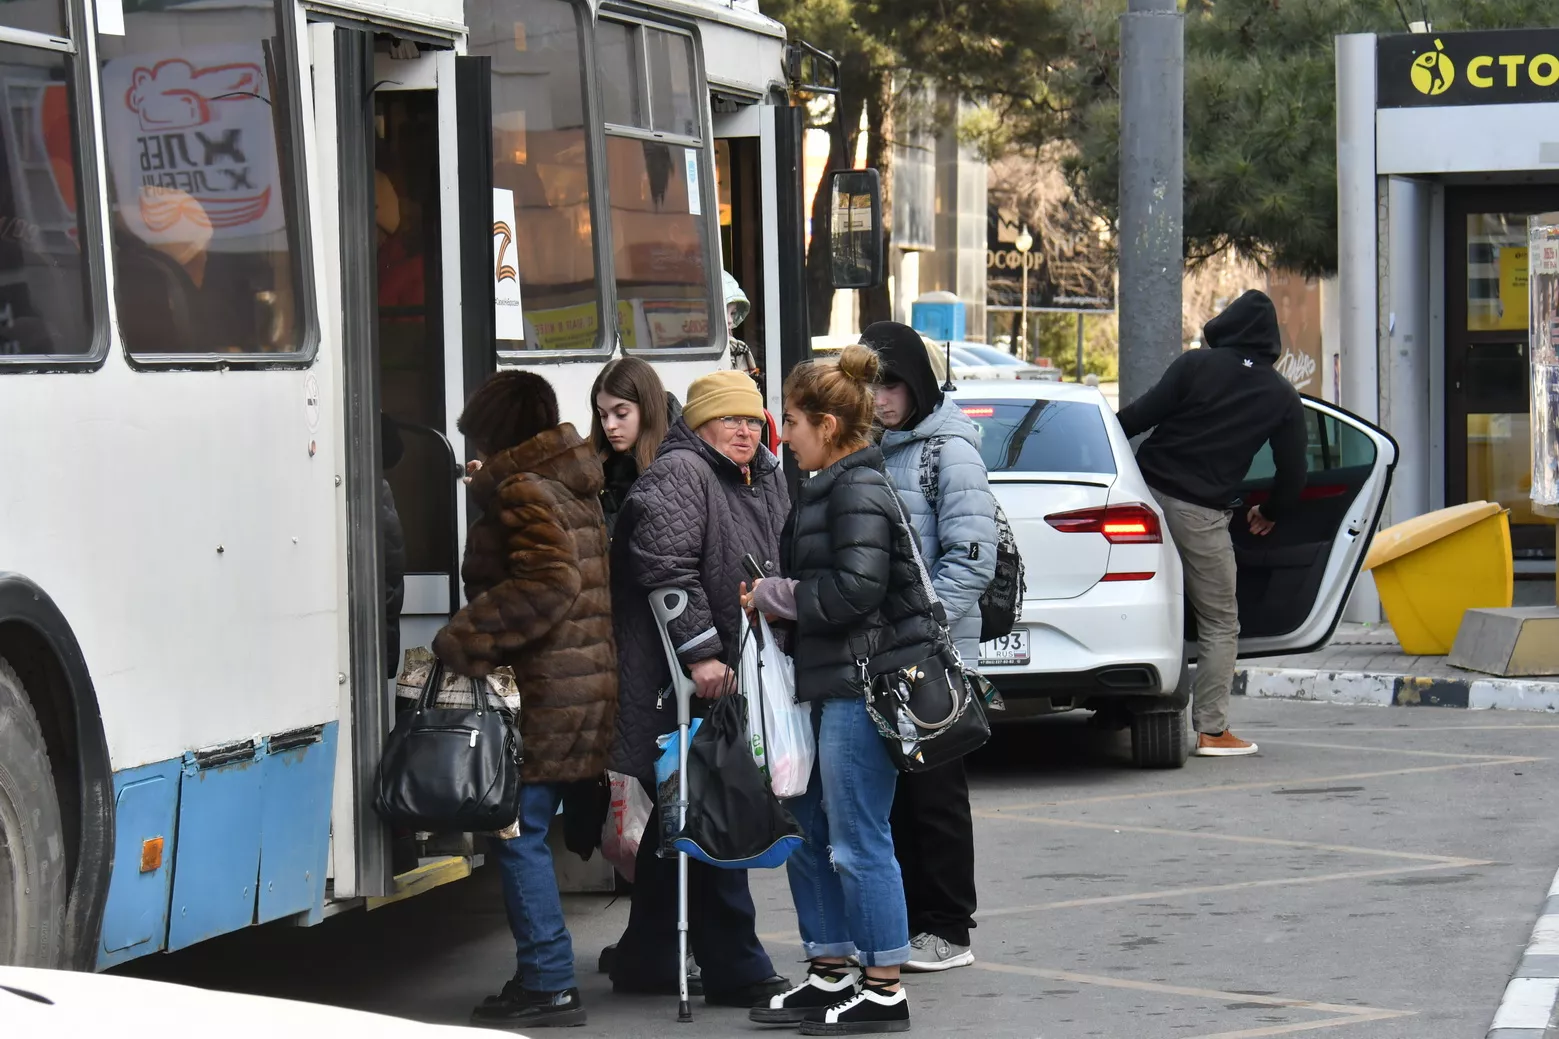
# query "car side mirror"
(855, 244)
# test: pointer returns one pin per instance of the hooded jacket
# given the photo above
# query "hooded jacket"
(538, 601)
(1214, 409)
(687, 523)
(958, 537)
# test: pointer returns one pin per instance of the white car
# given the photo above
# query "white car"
(35, 1002)
(1104, 624)
(967, 366)
(996, 356)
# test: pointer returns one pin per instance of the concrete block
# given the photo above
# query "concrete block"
(1511, 642)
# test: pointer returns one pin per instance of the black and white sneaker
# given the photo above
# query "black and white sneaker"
(874, 1008)
(822, 988)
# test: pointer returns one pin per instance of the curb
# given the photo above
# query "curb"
(1528, 1004)
(1393, 690)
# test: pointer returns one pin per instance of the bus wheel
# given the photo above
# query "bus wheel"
(32, 839)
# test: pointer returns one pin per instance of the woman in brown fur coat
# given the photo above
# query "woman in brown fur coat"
(539, 601)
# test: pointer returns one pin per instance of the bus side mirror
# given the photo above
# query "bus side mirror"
(855, 244)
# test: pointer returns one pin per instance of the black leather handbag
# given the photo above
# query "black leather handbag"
(931, 712)
(450, 770)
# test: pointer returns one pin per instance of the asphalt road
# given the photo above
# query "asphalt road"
(1373, 874)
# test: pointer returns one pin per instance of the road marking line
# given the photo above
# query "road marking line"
(1444, 860)
(1405, 728)
(1306, 1026)
(1148, 795)
(1106, 981)
(1209, 889)
(1391, 750)
(1527, 1003)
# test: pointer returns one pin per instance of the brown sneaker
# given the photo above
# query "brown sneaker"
(1227, 745)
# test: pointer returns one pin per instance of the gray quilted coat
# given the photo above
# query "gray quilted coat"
(958, 539)
(686, 523)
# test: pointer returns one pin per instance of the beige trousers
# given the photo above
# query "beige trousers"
(1207, 554)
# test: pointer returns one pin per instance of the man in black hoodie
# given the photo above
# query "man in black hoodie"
(1210, 413)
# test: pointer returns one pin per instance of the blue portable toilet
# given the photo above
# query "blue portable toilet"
(939, 316)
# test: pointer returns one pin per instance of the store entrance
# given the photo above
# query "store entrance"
(1488, 433)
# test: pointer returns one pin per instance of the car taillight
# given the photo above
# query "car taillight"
(1134, 524)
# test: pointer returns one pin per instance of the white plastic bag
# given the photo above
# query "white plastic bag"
(779, 729)
(625, 822)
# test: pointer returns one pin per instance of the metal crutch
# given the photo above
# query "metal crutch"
(667, 604)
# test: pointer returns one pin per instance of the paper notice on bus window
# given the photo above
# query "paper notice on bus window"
(695, 204)
(508, 316)
(191, 143)
(111, 17)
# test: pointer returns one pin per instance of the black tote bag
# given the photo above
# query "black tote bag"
(734, 821)
(450, 770)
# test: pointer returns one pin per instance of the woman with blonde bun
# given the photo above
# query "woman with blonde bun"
(859, 607)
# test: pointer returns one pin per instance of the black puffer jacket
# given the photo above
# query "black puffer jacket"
(859, 594)
(687, 523)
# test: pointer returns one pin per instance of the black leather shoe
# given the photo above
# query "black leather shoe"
(525, 1009)
(608, 957)
(757, 994)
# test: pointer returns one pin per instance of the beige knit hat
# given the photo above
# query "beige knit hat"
(722, 393)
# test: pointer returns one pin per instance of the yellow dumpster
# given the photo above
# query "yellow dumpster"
(1433, 568)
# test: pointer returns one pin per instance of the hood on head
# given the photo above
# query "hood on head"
(904, 359)
(734, 294)
(1249, 325)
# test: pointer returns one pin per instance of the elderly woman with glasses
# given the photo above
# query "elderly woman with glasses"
(713, 495)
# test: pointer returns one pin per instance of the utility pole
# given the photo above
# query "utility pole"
(1024, 243)
(1152, 157)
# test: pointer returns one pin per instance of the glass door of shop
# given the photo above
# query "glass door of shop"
(1488, 365)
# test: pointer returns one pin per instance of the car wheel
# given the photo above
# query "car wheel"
(32, 839)
(1161, 739)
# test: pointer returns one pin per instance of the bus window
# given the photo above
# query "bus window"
(45, 304)
(204, 225)
(658, 178)
(45, 16)
(541, 156)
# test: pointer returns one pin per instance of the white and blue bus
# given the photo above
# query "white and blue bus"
(235, 235)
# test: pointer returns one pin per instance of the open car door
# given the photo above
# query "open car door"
(1295, 581)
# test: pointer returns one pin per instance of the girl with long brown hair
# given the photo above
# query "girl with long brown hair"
(630, 412)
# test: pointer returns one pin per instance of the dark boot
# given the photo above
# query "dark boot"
(519, 1008)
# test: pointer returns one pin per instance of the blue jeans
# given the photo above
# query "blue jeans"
(542, 945)
(845, 879)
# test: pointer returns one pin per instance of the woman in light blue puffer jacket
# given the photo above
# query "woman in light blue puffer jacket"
(932, 451)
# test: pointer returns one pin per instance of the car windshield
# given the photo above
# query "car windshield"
(964, 357)
(991, 355)
(1041, 436)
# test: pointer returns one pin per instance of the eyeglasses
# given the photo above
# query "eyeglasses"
(738, 421)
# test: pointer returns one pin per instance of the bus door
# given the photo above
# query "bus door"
(739, 174)
(385, 111)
